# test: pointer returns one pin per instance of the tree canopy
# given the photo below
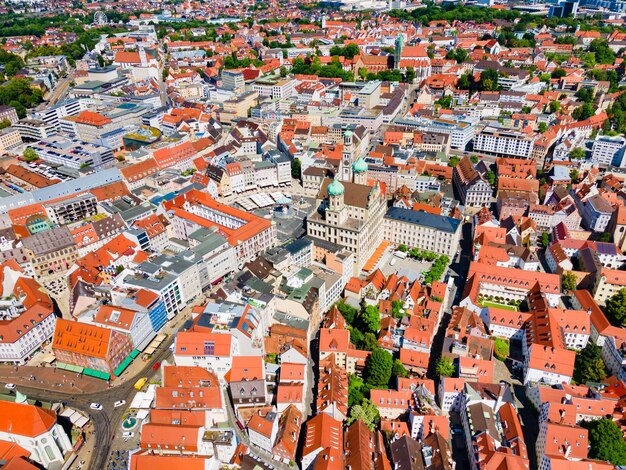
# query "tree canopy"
(444, 367)
(616, 308)
(589, 366)
(367, 412)
(378, 368)
(569, 281)
(606, 441)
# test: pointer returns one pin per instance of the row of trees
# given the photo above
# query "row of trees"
(313, 66)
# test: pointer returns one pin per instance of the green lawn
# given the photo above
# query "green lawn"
(486, 303)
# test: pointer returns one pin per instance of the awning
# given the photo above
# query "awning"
(49, 359)
(122, 367)
(135, 353)
(69, 367)
(98, 374)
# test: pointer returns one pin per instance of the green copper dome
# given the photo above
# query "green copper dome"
(349, 134)
(335, 188)
(359, 166)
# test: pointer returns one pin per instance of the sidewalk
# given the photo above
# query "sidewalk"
(85, 452)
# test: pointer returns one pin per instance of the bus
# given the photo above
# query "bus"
(140, 383)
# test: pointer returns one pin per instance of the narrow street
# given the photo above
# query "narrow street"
(459, 267)
(260, 454)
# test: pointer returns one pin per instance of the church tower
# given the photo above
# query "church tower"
(347, 156)
(397, 52)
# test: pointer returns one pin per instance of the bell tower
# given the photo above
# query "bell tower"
(347, 156)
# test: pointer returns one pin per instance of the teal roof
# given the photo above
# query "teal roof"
(359, 166)
(349, 134)
(335, 188)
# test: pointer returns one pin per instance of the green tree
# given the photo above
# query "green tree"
(409, 75)
(578, 154)
(30, 155)
(605, 237)
(606, 441)
(453, 161)
(554, 106)
(369, 319)
(568, 282)
(369, 343)
(398, 369)
(378, 368)
(296, 168)
(283, 72)
(574, 174)
(396, 307)
(465, 81)
(558, 73)
(445, 102)
(491, 177)
(488, 80)
(367, 412)
(402, 248)
(444, 367)
(348, 312)
(355, 391)
(588, 366)
(356, 336)
(500, 348)
(5, 123)
(602, 52)
(616, 308)
(584, 112)
(545, 239)
(543, 127)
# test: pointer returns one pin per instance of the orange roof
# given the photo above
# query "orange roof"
(125, 57)
(139, 461)
(184, 417)
(110, 191)
(261, 425)
(324, 432)
(189, 376)
(246, 368)
(391, 399)
(8, 450)
(115, 316)
(559, 439)
(162, 436)
(335, 340)
(253, 225)
(92, 119)
(151, 224)
(139, 170)
(291, 371)
(191, 343)
(178, 397)
(25, 420)
(292, 393)
(81, 338)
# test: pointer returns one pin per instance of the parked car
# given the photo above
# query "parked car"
(156, 366)
(10, 386)
(95, 406)
(128, 434)
(119, 403)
